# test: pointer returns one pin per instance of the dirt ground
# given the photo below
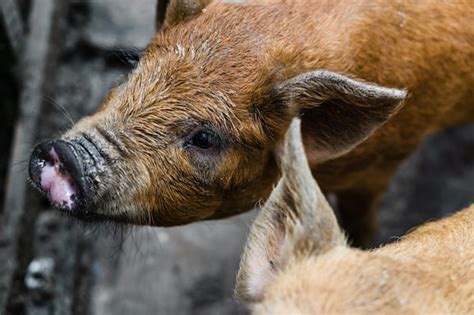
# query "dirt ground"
(110, 269)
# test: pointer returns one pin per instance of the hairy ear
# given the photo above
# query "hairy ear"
(296, 220)
(337, 112)
(160, 13)
(170, 12)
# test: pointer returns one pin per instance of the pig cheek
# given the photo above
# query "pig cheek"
(239, 170)
(125, 187)
(150, 195)
(174, 191)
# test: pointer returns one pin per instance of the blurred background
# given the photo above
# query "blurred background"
(57, 60)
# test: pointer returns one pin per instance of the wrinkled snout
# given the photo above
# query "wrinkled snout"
(57, 170)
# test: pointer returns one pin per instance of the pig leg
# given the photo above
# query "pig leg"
(358, 215)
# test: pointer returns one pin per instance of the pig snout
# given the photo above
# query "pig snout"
(57, 170)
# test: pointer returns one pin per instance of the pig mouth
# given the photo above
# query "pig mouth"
(74, 174)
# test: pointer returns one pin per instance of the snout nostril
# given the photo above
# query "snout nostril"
(56, 169)
(69, 161)
(45, 157)
(38, 160)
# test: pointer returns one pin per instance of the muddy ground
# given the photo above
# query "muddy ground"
(110, 269)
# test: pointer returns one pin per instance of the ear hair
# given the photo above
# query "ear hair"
(295, 221)
(160, 13)
(320, 85)
(306, 205)
(171, 12)
(338, 112)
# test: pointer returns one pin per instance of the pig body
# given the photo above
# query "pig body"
(427, 272)
(192, 134)
(298, 262)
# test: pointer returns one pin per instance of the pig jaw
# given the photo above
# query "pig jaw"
(249, 195)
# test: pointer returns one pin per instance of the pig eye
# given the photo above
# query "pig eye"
(204, 139)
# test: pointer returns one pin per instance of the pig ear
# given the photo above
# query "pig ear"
(338, 112)
(160, 13)
(295, 221)
(170, 12)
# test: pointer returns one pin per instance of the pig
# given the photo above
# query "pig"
(297, 260)
(194, 131)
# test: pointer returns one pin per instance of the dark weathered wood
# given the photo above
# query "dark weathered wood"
(13, 23)
(36, 62)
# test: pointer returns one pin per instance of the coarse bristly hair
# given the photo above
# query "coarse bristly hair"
(369, 80)
(297, 261)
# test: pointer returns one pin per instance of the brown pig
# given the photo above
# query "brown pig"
(192, 134)
(297, 260)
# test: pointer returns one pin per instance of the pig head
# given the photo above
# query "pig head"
(193, 132)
